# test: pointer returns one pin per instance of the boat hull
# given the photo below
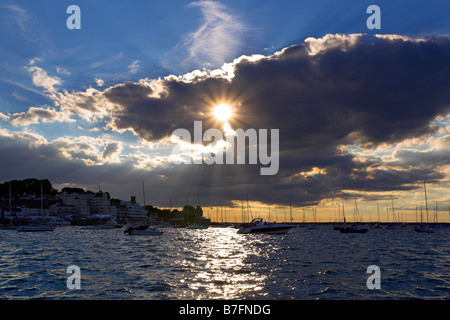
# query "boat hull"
(353, 230)
(146, 233)
(424, 229)
(143, 231)
(266, 230)
(35, 228)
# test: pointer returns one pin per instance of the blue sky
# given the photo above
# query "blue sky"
(47, 72)
(115, 34)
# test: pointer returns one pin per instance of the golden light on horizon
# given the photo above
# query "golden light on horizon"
(223, 112)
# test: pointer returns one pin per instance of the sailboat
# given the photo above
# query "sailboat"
(351, 228)
(39, 226)
(340, 226)
(8, 226)
(422, 227)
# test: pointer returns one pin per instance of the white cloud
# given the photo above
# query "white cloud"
(99, 82)
(4, 117)
(43, 80)
(134, 67)
(90, 150)
(35, 115)
(33, 61)
(329, 41)
(63, 71)
(214, 42)
(19, 15)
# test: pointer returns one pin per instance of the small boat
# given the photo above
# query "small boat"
(35, 228)
(424, 229)
(7, 227)
(353, 229)
(196, 226)
(143, 230)
(258, 225)
(58, 222)
(111, 224)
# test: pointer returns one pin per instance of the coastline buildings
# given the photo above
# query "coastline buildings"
(75, 204)
(130, 210)
(88, 203)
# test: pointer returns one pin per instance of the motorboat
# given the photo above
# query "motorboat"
(353, 229)
(59, 222)
(258, 225)
(196, 226)
(35, 228)
(424, 229)
(144, 230)
(111, 224)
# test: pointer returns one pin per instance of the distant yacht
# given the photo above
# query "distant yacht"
(423, 228)
(60, 222)
(144, 230)
(196, 226)
(258, 225)
(35, 228)
(111, 224)
(353, 229)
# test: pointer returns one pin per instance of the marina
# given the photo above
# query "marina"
(220, 263)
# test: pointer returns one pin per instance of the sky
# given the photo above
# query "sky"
(362, 114)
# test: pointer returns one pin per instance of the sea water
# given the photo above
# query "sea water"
(218, 263)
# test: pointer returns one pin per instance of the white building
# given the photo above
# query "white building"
(81, 201)
(25, 212)
(99, 204)
(63, 210)
(89, 203)
(131, 210)
(134, 210)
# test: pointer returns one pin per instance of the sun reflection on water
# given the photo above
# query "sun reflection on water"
(220, 265)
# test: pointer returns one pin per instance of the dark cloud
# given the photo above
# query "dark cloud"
(321, 94)
(359, 89)
(384, 90)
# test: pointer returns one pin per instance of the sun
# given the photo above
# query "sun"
(223, 112)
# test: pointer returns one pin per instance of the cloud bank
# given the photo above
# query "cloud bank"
(338, 101)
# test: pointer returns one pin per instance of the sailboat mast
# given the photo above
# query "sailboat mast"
(290, 208)
(242, 207)
(378, 210)
(393, 211)
(42, 202)
(426, 201)
(343, 211)
(10, 206)
(143, 192)
(436, 213)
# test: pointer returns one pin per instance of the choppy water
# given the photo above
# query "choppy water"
(218, 263)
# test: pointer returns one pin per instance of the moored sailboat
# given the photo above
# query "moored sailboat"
(38, 227)
(423, 228)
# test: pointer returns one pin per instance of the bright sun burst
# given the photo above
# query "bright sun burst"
(223, 112)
